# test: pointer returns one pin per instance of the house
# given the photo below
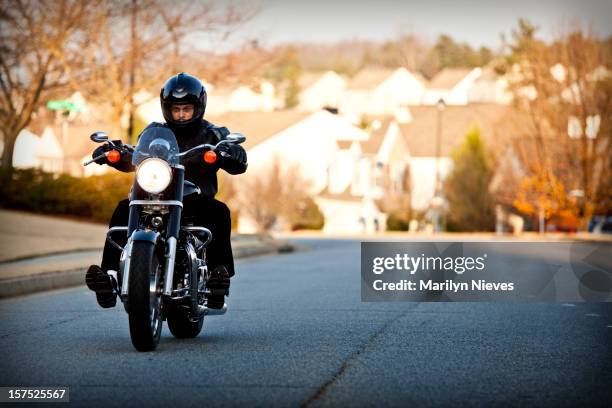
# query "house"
(452, 85)
(242, 98)
(348, 169)
(33, 151)
(381, 91)
(320, 90)
(420, 135)
(490, 87)
(365, 179)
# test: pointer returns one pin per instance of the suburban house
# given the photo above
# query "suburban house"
(420, 135)
(33, 151)
(344, 165)
(242, 98)
(320, 90)
(452, 85)
(381, 92)
(490, 87)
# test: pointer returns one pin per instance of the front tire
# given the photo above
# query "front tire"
(183, 328)
(145, 297)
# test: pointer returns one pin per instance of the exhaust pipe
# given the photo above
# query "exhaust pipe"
(212, 312)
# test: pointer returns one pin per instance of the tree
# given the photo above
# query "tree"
(286, 71)
(74, 45)
(471, 206)
(563, 89)
(113, 70)
(35, 50)
(276, 197)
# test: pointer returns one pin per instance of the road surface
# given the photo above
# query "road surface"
(297, 334)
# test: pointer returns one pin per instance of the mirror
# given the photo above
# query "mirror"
(235, 138)
(99, 137)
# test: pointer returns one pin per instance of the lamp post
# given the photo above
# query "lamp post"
(437, 201)
(440, 107)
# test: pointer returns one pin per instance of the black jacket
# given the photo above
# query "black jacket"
(196, 171)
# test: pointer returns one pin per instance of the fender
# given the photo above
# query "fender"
(146, 236)
(126, 256)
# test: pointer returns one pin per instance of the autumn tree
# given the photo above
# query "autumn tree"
(563, 90)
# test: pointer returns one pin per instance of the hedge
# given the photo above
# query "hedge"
(93, 198)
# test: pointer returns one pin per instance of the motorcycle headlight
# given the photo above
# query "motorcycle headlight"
(153, 175)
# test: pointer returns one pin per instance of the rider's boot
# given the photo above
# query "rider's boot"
(218, 284)
(103, 284)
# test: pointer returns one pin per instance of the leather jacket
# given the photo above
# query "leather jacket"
(196, 171)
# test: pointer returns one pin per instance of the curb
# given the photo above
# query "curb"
(76, 277)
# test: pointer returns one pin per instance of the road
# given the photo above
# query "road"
(297, 334)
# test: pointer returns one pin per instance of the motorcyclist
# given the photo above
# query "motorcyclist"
(183, 102)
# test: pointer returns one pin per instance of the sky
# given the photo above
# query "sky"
(477, 22)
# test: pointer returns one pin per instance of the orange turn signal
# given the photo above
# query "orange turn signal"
(210, 157)
(113, 156)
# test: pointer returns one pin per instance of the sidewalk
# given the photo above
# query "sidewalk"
(40, 252)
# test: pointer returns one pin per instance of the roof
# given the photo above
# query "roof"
(258, 126)
(309, 78)
(344, 144)
(344, 196)
(373, 144)
(448, 78)
(420, 77)
(420, 133)
(370, 78)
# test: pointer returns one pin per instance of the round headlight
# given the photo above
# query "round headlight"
(154, 175)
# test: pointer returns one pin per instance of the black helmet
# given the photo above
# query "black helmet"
(183, 88)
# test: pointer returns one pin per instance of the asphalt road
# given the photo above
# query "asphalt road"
(297, 334)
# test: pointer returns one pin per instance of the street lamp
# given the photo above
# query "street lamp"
(440, 107)
(437, 201)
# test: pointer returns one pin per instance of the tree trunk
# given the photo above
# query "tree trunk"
(9, 149)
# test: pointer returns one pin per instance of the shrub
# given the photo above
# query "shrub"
(92, 198)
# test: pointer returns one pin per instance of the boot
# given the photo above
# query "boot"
(101, 283)
(218, 284)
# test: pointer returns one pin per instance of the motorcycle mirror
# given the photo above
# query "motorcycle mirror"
(235, 138)
(99, 137)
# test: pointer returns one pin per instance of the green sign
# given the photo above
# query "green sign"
(65, 105)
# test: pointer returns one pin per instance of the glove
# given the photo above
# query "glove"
(103, 149)
(233, 151)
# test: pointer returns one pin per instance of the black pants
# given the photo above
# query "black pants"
(208, 212)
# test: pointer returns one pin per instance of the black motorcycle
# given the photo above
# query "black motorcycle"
(163, 272)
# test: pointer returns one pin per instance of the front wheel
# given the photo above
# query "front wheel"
(145, 297)
(182, 327)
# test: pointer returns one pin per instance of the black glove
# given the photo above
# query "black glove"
(103, 149)
(232, 151)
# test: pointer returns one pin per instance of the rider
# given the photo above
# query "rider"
(183, 102)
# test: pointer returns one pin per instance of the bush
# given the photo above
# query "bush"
(309, 216)
(94, 198)
(397, 222)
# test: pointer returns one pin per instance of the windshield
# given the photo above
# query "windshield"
(156, 142)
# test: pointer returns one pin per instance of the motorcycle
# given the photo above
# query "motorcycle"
(162, 270)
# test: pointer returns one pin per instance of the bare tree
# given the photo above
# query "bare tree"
(106, 49)
(563, 89)
(35, 49)
(274, 195)
(113, 69)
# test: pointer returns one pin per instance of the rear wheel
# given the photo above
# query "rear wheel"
(145, 297)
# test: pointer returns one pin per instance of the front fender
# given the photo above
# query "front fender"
(146, 236)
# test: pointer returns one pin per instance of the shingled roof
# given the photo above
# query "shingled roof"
(448, 78)
(420, 133)
(369, 78)
(257, 126)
